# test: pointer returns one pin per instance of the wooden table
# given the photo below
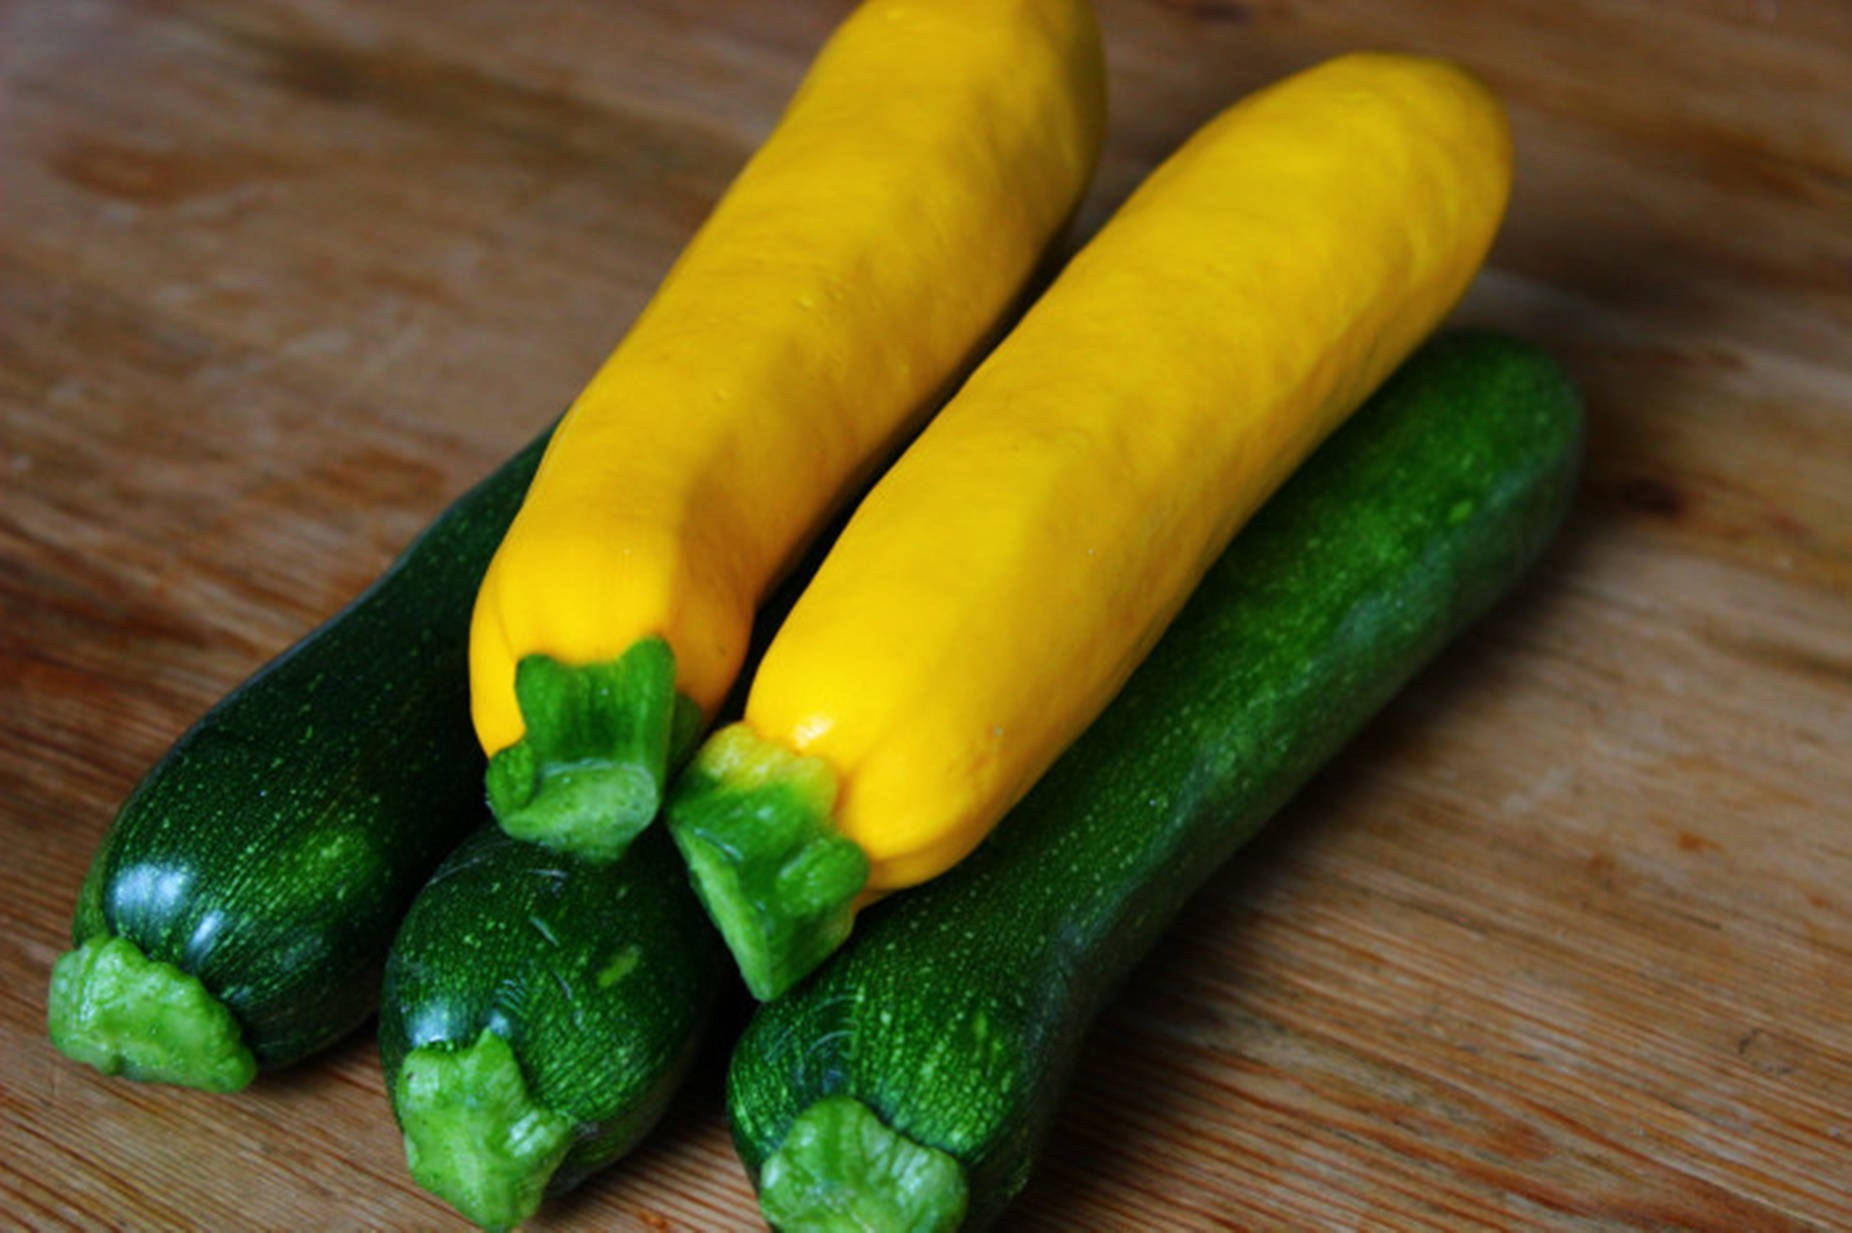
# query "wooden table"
(1565, 939)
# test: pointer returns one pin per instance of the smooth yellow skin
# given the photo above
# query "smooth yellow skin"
(1001, 582)
(860, 259)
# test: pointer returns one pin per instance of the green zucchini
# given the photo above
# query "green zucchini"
(539, 1011)
(908, 1083)
(238, 911)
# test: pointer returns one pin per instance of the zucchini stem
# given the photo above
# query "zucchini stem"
(588, 774)
(116, 1009)
(473, 1135)
(840, 1170)
(753, 822)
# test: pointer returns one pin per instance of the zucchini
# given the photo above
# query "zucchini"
(539, 1011)
(908, 1084)
(852, 270)
(238, 911)
(1033, 543)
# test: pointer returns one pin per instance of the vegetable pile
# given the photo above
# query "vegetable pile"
(1112, 607)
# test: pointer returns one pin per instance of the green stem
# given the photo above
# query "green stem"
(473, 1135)
(588, 774)
(840, 1170)
(126, 1014)
(753, 822)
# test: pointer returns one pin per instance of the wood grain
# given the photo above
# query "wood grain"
(1563, 941)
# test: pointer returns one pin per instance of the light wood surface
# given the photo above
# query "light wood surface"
(1565, 940)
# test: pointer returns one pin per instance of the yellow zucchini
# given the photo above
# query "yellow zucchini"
(1001, 582)
(854, 267)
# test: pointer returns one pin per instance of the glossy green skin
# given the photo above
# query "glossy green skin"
(273, 849)
(600, 976)
(956, 1010)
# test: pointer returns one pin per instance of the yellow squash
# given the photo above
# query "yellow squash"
(998, 585)
(862, 257)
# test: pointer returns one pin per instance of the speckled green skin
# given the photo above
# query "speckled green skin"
(955, 1011)
(272, 851)
(600, 977)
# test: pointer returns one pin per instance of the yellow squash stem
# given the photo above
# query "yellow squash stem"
(863, 257)
(999, 584)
